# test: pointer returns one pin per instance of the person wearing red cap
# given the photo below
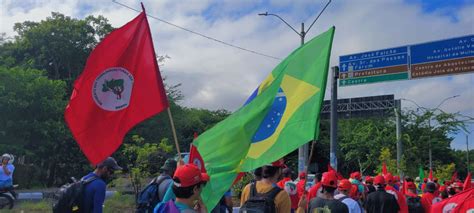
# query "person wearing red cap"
(267, 188)
(345, 187)
(390, 180)
(380, 200)
(412, 199)
(369, 182)
(300, 186)
(327, 201)
(423, 185)
(188, 182)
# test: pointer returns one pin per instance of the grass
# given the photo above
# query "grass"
(31, 206)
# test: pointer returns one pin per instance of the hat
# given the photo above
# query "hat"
(442, 188)
(188, 175)
(425, 180)
(356, 175)
(379, 180)
(457, 184)
(329, 179)
(430, 186)
(169, 165)
(389, 178)
(369, 179)
(417, 179)
(396, 179)
(411, 185)
(110, 163)
(344, 185)
(302, 175)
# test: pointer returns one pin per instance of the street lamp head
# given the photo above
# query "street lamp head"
(263, 14)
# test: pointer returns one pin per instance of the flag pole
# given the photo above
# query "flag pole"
(174, 134)
(308, 161)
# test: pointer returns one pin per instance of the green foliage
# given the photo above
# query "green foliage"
(386, 156)
(240, 185)
(444, 172)
(119, 203)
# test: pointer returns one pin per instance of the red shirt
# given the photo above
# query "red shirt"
(402, 203)
(410, 194)
(301, 188)
(427, 200)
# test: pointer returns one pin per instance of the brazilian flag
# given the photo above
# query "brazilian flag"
(280, 116)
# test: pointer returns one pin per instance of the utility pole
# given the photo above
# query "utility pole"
(399, 135)
(303, 150)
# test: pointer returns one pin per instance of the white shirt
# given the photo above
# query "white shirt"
(351, 204)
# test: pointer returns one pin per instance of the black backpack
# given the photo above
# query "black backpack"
(149, 196)
(260, 203)
(69, 197)
(414, 205)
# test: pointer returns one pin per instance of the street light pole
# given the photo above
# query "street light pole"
(429, 122)
(303, 150)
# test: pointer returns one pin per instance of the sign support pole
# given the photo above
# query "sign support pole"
(399, 136)
(333, 135)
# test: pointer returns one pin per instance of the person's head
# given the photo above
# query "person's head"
(287, 173)
(379, 182)
(430, 187)
(425, 180)
(169, 167)
(451, 191)
(273, 172)
(188, 182)
(257, 173)
(435, 180)
(409, 179)
(302, 175)
(396, 179)
(106, 168)
(344, 186)
(411, 187)
(317, 178)
(389, 179)
(6, 158)
(369, 180)
(329, 182)
(458, 187)
(356, 176)
(417, 180)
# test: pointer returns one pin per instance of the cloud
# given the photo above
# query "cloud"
(217, 76)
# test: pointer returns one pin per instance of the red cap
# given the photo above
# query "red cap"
(302, 175)
(425, 180)
(329, 179)
(279, 163)
(442, 188)
(356, 175)
(369, 179)
(344, 185)
(379, 180)
(389, 178)
(411, 185)
(189, 175)
(396, 179)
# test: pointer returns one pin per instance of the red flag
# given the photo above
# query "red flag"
(384, 168)
(119, 87)
(195, 158)
(467, 182)
(449, 204)
(239, 176)
(430, 176)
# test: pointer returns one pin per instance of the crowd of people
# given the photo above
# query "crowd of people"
(178, 189)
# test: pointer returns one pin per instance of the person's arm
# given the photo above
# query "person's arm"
(5, 169)
(302, 204)
(228, 200)
(245, 194)
(283, 202)
(99, 197)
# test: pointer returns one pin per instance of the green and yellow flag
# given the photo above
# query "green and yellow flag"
(280, 116)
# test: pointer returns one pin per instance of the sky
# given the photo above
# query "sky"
(216, 76)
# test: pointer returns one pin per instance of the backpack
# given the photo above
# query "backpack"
(260, 203)
(168, 207)
(69, 197)
(149, 196)
(414, 204)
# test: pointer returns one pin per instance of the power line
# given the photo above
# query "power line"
(200, 34)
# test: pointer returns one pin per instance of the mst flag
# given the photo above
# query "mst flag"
(119, 87)
(281, 115)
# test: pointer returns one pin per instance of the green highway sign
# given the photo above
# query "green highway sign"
(373, 79)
